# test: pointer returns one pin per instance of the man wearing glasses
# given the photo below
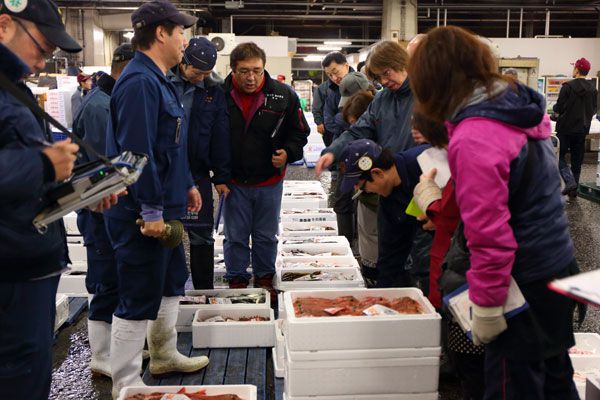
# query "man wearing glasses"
(208, 146)
(268, 131)
(31, 262)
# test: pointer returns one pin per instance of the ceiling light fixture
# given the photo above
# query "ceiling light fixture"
(337, 43)
(128, 35)
(314, 58)
(329, 48)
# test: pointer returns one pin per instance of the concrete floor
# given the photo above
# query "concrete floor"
(72, 378)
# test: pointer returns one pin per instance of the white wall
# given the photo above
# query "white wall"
(555, 54)
(274, 46)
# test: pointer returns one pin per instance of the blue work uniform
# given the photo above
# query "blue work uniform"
(396, 229)
(208, 147)
(101, 279)
(146, 116)
(31, 262)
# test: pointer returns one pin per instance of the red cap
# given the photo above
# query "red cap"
(583, 66)
(81, 77)
(281, 78)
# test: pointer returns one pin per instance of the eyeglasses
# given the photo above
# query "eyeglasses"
(46, 54)
(386, 74)
(248, 72)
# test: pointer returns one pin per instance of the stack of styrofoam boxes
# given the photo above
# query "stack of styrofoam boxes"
(235, 333)
(73, 281)
(246, 392)
(314, 145)
(294, 197)
(377, 357)
(187, 311)
(585, 357)
(62, 311)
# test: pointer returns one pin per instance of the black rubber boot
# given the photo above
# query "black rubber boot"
(202, 265)
(345, 223)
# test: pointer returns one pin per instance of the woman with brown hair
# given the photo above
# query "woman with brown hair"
(507, 188)
(388, 122)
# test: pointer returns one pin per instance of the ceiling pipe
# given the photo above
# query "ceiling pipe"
(508, 23)
(547, 30)
(521, 24)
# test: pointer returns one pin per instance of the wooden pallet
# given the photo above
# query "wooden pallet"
(589, 191)
(238, 366)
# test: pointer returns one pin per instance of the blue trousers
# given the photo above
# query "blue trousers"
(146, 270)
(575, 144)
(101, 280)
(27, 312)
(251, 211)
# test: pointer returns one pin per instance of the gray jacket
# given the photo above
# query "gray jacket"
(387, 121)
(319, 96)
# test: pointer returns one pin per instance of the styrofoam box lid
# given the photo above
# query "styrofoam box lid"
(346, 261)
(201, 315)
(413, 293)
(246, 392)
(354, 272)
(363, 354)
(308, 225)
(337, 239)
(60, 298)
(306, 211)
(228, 292)
(400, 396)
(317, 248)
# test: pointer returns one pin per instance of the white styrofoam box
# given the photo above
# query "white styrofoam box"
(219, 251)
(62, 310)
(233, 334)
(78, 267)
(246, 392)
(325, 228)
(588, 343)
(301, 190)
(319, 201)
(312, 240)
(315, 250)
(347, 261)
(278, 367)
(361, 354)
(280, 306)
(592, 388)
(77, 252)
(399, 396)
(585, 367)
(361, 376)
(187, 311)
(357, 280)
(72, 284)
(349, 333)
(308, 215)
(296, 183)
(70, 221)
(219, 240)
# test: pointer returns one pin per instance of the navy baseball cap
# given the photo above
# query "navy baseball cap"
(201, 54)
(46, 17)
(358, 159)
(124, 52)
(158, 11)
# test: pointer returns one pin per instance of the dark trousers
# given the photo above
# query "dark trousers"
(470, 370)
(27, 312)
(101, 280)
(147, 271)
(200, 226)
(549, 379)
(574, 144)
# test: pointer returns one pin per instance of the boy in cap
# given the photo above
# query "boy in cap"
(101, 278)
(31, 262)
(576, 106)
(370, 168)
(146, 116)
(208, 146)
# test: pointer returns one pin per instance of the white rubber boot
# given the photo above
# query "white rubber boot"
(99, 337)
(162, 342)
(127, 343)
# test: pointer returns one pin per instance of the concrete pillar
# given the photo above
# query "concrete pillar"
(399, 20)
(93, 39)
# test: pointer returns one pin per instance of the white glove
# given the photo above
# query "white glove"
(487, 323)
(426, 192)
